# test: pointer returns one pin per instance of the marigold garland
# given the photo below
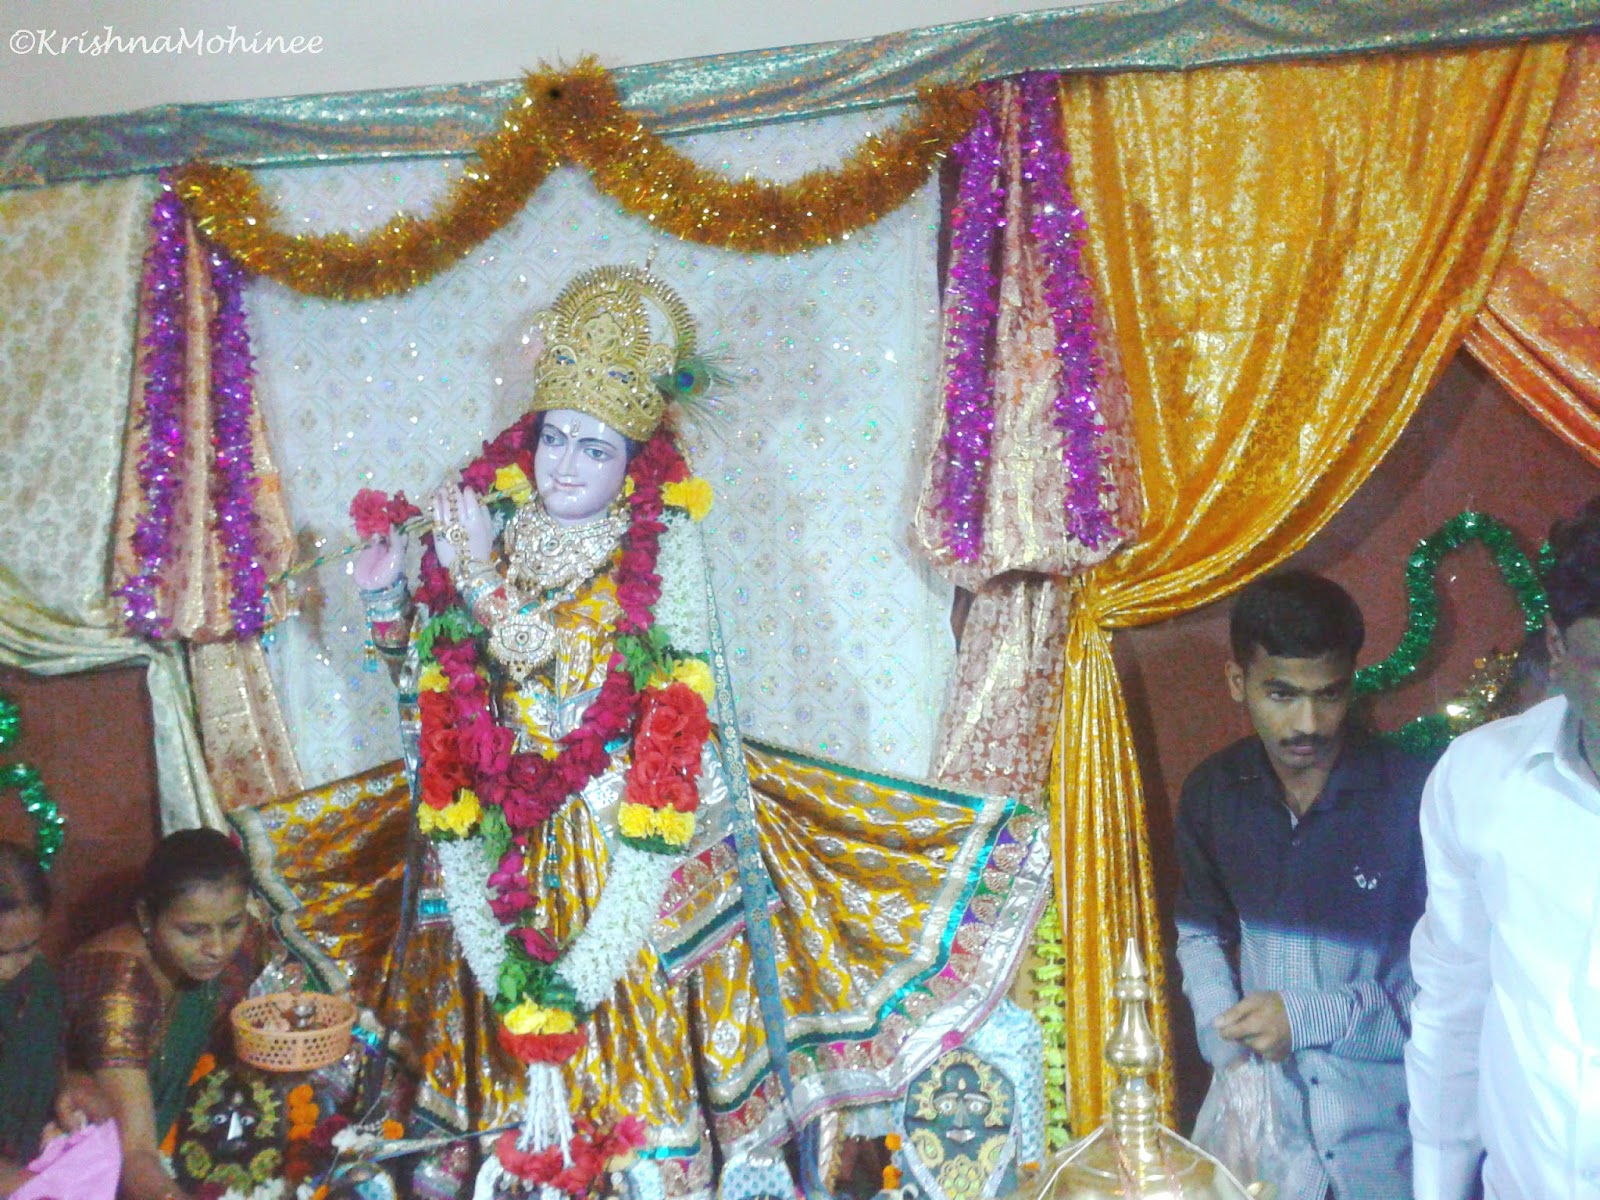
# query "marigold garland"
(577, 116)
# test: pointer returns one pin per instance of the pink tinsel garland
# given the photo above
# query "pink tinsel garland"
(971, 306)
(972, 318)
(233, 468)
(160, 460)
(1054, 220)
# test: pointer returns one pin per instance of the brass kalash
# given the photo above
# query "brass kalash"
(1132, 1156)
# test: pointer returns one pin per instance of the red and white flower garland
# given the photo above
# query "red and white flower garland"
(483, 800)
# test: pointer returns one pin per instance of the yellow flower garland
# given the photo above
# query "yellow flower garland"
(1049, 1006)
(577, 116)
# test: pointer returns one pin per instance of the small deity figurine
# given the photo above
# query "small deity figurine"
(977, 1113)
(682, 952)
(232, 1133)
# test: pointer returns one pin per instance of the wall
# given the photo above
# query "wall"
(1469, 446)
(89, 736)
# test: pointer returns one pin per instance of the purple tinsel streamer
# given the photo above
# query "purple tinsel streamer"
(1054, 219)
(159, 472)
(972, 304)
(233, 468)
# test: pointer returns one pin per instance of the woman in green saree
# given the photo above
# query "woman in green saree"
(143, 998)
(30, 1015)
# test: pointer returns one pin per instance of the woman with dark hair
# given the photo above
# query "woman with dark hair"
(144, 997)
(30, 1014)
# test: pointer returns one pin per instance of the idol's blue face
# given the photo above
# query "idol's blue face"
(578, 466)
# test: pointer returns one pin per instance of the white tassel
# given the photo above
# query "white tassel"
(546, 1120)
(489, 1176)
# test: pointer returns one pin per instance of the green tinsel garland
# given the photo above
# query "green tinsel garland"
(1431, 733)
(1422, 619)
(1050, 1009)
(10, 722)
(48, 824)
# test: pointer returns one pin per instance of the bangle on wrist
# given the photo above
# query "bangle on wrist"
(387, 603)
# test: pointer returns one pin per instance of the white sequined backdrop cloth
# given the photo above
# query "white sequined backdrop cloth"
(839, 638)
(69, 292)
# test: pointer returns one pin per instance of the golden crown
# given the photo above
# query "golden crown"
(599, 357)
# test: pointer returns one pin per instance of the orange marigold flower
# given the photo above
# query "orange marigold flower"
(300, 1132)
(301, 1094)
(393, 1130)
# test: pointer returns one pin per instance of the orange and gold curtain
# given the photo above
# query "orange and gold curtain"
(1287, 256)
(1539, 331)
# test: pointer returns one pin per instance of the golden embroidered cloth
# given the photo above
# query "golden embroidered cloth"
(1287, 255)
(1539, 330)
(901, 912)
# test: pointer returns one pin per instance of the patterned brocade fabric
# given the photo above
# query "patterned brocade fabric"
(115, 1015)
(69, 278)
(331, 861)
(998, 724)
(901, 911)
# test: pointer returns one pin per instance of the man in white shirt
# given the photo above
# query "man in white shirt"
(1504, 1059)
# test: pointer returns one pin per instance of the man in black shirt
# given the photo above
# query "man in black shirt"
(1302, 879)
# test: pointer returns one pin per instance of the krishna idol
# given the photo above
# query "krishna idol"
(684, 950)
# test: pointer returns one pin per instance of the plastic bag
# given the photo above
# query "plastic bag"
(82, 1166)
(1241, 1124)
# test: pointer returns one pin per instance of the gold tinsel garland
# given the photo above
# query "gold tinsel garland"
(577, 116)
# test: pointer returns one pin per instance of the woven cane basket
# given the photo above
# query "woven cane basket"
(292, 1049)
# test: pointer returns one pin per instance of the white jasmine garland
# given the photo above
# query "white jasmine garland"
(610, 942)
(681, 612)
(466, 868)
(489, 1176)
(631, 899)
(273, 1189)
(357, 1139)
